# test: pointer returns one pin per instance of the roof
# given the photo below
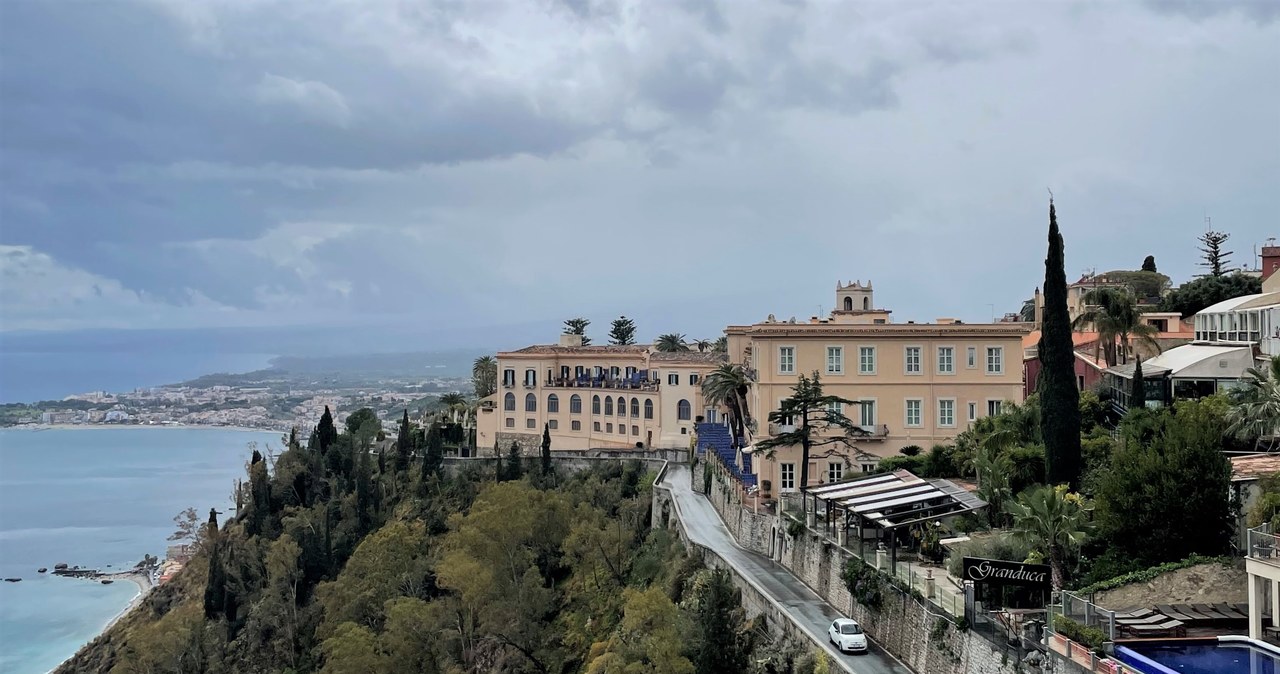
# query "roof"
(1254, 466)
(601, 350)
(1255, 301)
(1204, 360)
(695, 357)
(785, 329)
(898, 498)
(1078, 338)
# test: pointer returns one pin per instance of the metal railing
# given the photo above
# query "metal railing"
(1262, 544)
(1087, 613)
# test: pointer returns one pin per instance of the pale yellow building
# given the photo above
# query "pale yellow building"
(920, 383)
(594, 397)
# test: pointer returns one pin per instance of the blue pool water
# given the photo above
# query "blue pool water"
(1200, 657)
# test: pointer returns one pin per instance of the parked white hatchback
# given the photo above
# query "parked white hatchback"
(847, 635)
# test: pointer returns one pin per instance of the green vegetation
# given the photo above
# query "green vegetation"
(670, 343)
(1116, 318)
(622, 332)
(1057, 388)
(1052, 522)
(864, 582)
(1092, 637)
(1149, 574)
(1149, 263)
(1206, 291)
(484, 376)
(1255, 413)
(578, 326)
(728, 385)
(335, 566)
(1215, 259)
(813, 417)
(1138, 394)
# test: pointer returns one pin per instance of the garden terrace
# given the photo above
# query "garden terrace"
(886, 504)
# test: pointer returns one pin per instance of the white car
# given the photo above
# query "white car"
(848, 636)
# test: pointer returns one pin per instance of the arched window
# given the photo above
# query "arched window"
(595, 404)
(530, 403)
(866, 304)
(848, 304)
(635, 407)
(622, 406)
(509, 402)
(553, 404)
(648, 409)
(683, 410)
(608, 405)
(575, 404)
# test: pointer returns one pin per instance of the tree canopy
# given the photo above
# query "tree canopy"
(622, 331)
(1199, 293)
(1059, 397)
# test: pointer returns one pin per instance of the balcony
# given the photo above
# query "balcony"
(1263, 545)
(634, 383)
(872, 432)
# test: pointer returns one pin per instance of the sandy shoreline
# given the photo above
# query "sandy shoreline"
(145, 586)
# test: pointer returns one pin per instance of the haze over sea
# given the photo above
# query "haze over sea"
(95, 496)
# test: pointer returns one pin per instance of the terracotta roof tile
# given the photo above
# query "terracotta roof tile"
(1254, 466)
(687, 357)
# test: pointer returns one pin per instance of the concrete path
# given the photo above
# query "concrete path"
(805, 607)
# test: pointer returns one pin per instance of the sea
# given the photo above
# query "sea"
(96, 497)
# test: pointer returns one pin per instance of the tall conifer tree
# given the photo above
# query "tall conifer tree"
(1059, 397)
(1138, 396)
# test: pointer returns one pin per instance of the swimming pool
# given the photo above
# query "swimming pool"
(1223, 655)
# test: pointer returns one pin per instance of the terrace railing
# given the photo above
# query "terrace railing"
(618, 383)
(1263, 545)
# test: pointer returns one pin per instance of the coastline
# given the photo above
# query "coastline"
(95, 427)
(145, 585)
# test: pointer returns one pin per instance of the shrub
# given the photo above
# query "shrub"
(914, 464)
(995, 546)
(864, 582)
(1147, 575)
(911, 450)
(1083, 634)
(939, 462)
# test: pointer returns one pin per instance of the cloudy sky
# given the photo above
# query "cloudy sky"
(170, 164)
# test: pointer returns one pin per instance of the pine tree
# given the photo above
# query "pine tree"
(578, 326)
(720, 646)
(1138, 395)
(1059, 397)
(546, 449)
(816, 420)
(1215, 259)
(404, 444)
(622, 332)
(1149, 264)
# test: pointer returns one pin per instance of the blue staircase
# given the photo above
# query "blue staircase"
(717, 438)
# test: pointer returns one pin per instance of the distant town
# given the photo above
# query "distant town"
(292, 393)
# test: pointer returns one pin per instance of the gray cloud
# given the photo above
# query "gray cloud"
(690, 164)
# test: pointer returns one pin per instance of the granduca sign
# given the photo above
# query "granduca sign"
(998, 572)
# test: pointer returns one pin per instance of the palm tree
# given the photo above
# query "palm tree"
(993, 469)
(728, 385)
(455, 404)
(721, 344)
(670, 342)
(702, 345)
(1052, 521)
(1255, 411)
(1116, 319)
(484, 376)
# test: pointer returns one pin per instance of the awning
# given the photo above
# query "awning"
(897, 498)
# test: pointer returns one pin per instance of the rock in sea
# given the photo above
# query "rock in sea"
(12, 580)
(41, 570)
(108, 581)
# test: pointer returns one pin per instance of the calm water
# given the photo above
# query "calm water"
(1204, 658)
(93, 497)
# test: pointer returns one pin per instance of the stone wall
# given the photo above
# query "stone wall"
(530, 444)
(927, 642)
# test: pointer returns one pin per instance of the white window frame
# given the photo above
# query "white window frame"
(838, 352)
(973, 411)
(862, 412)
(906, 360)
(999, 406)
(998, 351)
(951, 359)
(837, 407)
(906, 413)
(791, 369)
(783, 478)
(861, 352)
(971, 355)
(835, 471)
(673, 379)
(941, 423)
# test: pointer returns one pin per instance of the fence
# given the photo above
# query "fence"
(1085, 612)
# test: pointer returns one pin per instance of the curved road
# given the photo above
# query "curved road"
(806, 608)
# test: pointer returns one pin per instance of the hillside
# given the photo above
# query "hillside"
(341, 561)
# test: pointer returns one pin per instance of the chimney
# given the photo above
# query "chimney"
(570, 340)
(1038, 303)
(1270, 260)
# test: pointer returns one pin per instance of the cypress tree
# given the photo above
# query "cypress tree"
(404, 444)
(515, 470)
(546, 449)
(1059, 397)
(433, 452)
(259, 495)
(215, 588)
(1138, 395)
(326, 432)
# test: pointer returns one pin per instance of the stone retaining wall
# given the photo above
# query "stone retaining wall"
(927, 642)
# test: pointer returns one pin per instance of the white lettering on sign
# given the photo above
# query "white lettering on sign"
(985, 571)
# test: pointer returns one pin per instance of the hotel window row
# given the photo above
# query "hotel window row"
(590, 372)
(913, 360)
(913, 412)
(575, 405)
